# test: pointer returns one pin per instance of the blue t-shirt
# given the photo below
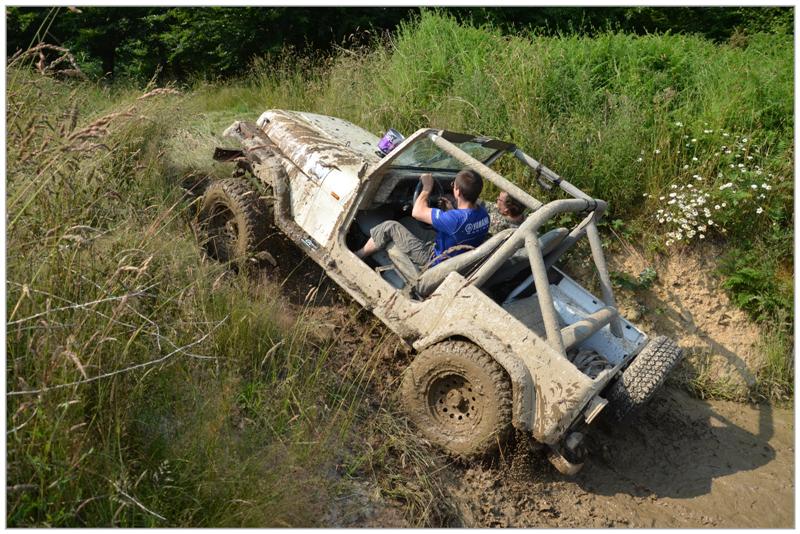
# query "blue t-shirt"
(459, 227)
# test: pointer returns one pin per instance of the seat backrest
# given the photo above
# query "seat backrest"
(519, 261)
(463, 263)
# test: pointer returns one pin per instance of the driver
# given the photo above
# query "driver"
(467, 224)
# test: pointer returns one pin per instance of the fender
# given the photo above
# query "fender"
(522, 388)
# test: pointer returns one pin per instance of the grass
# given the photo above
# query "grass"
(216, 407)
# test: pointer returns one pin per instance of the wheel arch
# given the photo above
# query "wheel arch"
(522, 390)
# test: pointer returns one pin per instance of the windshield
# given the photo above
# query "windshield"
(424, 154)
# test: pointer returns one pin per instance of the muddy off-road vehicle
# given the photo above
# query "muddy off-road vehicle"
(501, 336)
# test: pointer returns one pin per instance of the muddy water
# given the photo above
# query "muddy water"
(682, 463)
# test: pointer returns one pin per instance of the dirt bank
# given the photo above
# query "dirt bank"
(687, 303)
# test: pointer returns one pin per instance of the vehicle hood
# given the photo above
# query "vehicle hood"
(319, 144)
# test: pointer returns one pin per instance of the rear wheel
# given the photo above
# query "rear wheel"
(459, 398)
(234, 222)
(643, 377)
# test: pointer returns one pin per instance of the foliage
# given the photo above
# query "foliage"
(212, 42)
(145, 386)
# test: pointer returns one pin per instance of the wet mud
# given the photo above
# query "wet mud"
(682, 463)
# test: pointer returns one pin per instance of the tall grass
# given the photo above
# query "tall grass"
(145, 386)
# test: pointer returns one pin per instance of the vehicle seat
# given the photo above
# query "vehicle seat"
(519, 261)
(463, 263)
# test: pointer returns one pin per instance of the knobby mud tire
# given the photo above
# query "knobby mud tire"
(459, 399)
(642, 378)
(234, 221)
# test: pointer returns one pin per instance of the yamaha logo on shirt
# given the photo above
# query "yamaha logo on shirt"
(472, 228)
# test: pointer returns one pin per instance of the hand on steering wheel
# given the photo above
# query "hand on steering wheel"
(435, 194)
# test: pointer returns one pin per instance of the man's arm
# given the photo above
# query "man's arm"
(421, 211)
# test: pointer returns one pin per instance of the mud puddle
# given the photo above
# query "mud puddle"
(683, 463)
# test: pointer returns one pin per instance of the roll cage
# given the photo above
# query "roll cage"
(527, 235)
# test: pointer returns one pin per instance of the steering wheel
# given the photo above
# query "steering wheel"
(433, 199)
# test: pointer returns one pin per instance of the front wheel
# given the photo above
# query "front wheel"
(459, 398)
(233, 221)
(643, 377)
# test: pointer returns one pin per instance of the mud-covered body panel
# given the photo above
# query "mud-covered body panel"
(330, 157)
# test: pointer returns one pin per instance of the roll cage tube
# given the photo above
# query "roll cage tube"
(527, 234)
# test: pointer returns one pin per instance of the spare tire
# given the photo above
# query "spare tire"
(233, 221)
(643, 377)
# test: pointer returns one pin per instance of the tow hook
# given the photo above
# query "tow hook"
(569, 455)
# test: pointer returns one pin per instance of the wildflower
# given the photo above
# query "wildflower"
(766, 186)
(672, 195)
(686, 166)
(674, 186)
(678, 123)
(728, 151)
(760, 210)
(724, 204)
(671, 201)
(725, 134)
(716, 206)
(753, 186)
(669, 242)
(639, 160)
(701, 236)
(740, 165)
(726, 186)
(661, 198)
(762, 195)
(657, 151)
(708, 131)
(732, 165)
(694, 159)
(645, 195)
(749, 157)
(710, 222)
(694, 140)
(744, 140)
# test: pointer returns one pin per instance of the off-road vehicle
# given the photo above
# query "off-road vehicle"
(502, 337)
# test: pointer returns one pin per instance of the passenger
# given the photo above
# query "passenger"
(507, 212)
(466, 224)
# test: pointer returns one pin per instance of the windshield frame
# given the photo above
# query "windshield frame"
(498, 149)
